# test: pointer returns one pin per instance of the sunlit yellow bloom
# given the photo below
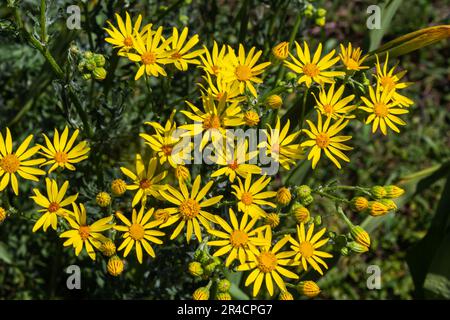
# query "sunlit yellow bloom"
(324, 138)
(251, 198)
(189, 210)
(218, 88)
(387, 80)
(150, 54)
(62, 153)
(280, 145)
(313, 70)
(179, 51)
(53, 204)
(351, 58)
(330, 103)
(122, 38)
(238, 240)
(383, 110)
(12, 163)
(235, 160)
(212, 62)
(139, 233)
(281, 50)
(145, 181)
(268, 264)
(305, 248)
(84, 235)
(243, 69)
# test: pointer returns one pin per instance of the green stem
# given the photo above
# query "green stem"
(342, 215)
(43, 22)
(302, 117)
(350, 188)
(329, 196)
(286, 231)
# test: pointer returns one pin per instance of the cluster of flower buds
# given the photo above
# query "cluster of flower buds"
(92, 66)
(317, 13)
(203, 265)
(381, 202)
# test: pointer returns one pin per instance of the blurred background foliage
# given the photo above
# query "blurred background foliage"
(34, 100)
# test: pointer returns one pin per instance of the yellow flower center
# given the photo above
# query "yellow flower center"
(53, 207)
(328, 108)
(322, 140)
(267, 262)
(61, 157)
(145, 184)
(136, 231)
(306, 249)
(176, 55)
(311, 69)
(10, 163)
(243, 72)
(128, 41)
(84, 232)
(234, 165)
(238, 238)
(211, 122)
(352, 64)
(387, 82)
(148, 58)
(247, 198)
(380, 109)
(189, 209)
(167, 150)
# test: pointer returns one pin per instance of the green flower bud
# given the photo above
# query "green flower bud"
(344, 251)
(201, 293)
(321, 12)
(303, 191)
(378, 192)
(359, 204)
(309, 289)
(99, 60)
(223, 296)
(360, 235)
(87, 76)
(90, 65)
(393, 191)
(318, 220)
(389, 203)
(307, 200)
(99, 73)
(357, 247)
(88, 55)
(223, 285)
(195, 269)
(320, 21)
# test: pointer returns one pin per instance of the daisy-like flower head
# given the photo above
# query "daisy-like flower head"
(280, 146)
(313, 70)
(351, 58)
(389, 81)
(190, 208)
(123, 36)
(212, 62)
(234, 160)
(251, 196)
(61, 152)
(238, 240)
(323, 137)
(53, 204)
(168, 145)
(218, 88)
(84, 235)
(179, 51)
(150, 54)
(145, 181)
(268, 264)
(139, 232)
(383, 110)
(330, 103)
(243, 68)
(306, 248)
(12, 163)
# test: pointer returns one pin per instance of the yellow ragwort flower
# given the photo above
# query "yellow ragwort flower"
(84, 235)
(219, 88)
(351, 58)
(189, 211)
(61, 152)
(139, 232)
(238, 240)
(53, 204)
(213, 61)
(12, 163)
(281, 50)
(331, 103)
(179, 50)
(324, 138)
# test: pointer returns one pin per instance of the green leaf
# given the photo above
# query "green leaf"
(388, 11)
(4, 254)
(235, 291)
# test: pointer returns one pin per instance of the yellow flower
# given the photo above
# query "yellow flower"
(383, 111)
(280, 145)
(12, 163)
(201, 294)
(243, 69)
(359, 203)
(251, 118)
(183, 173)
(189, 210)
(274, 101)
(115, 266)
(360, 235)
(306, 248)
(123, 38)
(234, 160)
(251, 198)
(62, 153)
(150, 54)
(238, 240)
(308, 288)
(281, 50)
(272, 220)
(213, 61)
(139, 232)
(144, 180)
(103, 199)
(108, 248)
(330, 103)
(313, 70)
(284, 196)
(84, 235)
(324, 137)
(219, 88)
(387, 80)
(267, 265)
(179, 51)
(3, 214)
(118, 187)
(351, 58)
(53, 204)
